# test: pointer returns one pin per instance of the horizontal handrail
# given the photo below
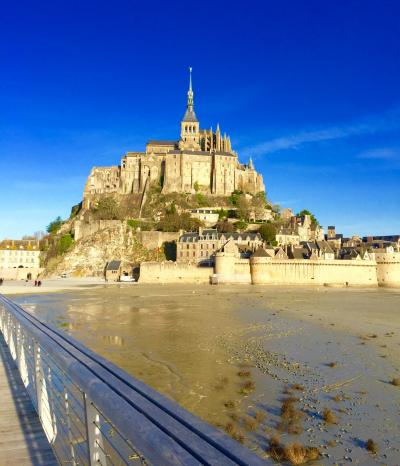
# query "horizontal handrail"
(153, 428)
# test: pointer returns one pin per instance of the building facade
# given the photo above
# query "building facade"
(21, 254)
(201, 160)
(200, 248)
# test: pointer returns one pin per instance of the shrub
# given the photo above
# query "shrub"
(54, 226)
(176, 222)
(64, 244)
(107, 208)
(240, 225)
(396, 382)
(268, 232)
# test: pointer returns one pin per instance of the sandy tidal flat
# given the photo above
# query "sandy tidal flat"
(232, 355)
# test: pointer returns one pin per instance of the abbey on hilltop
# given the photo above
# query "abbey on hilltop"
(201, 160)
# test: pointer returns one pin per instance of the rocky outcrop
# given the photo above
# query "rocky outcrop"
(89, 255)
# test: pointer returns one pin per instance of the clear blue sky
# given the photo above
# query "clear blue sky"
(310, 89)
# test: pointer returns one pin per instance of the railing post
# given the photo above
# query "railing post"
(67, 413)
(94, 437)
(38, 377)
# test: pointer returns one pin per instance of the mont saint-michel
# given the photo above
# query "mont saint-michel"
(201, 160)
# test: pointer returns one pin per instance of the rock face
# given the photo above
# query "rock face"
(89, 256)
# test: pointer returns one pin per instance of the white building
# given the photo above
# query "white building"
(18, 254)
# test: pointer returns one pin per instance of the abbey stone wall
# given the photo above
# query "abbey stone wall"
(201, 160)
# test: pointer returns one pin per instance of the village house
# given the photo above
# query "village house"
(200, 247)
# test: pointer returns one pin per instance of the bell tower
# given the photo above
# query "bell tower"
(190, 129)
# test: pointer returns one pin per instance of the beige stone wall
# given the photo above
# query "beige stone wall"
(261, 270)
(214, 173)
(388, 269)
(83, 229)
(173, 272)
(309, 272)
(155, 239)
(20, 274)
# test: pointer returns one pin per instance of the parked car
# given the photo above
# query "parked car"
(63, 275)
(127, 278)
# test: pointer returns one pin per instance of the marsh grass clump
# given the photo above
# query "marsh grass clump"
(229, 404)
(329, 417)
(294, 453)
(250, 423)
(230, 428)
(247, 387)
(371, 446)
(259, 416)
(244, 374)
(396, 382)
(298, 387)
(290, 416)
(275, 449)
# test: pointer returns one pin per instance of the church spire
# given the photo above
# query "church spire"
(190, 115)
(190, 102)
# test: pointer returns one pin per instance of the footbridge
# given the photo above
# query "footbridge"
(90, 412)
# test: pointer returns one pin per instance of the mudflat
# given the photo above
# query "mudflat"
(309, 365)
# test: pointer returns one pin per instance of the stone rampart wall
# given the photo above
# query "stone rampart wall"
(155, 239)
(83, 229)
(173, 272)
(309, 272)
(388, 269)
(20, 274)
(261, 270)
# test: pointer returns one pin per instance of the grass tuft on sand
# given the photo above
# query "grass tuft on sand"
(329, 417)
(371, 446)
(294, 453)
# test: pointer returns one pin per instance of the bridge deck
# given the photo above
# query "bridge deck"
(22, 439)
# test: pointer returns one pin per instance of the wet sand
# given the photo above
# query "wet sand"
(228, 353)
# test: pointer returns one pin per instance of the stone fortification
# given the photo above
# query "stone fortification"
(20, 273)
(388, 268)
(201, 160)
(173, 272)
(313, 272)
(155, 239)
(230, 269)
(384, 270)
(84, 228)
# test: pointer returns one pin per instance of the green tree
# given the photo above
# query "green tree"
(54, 226)
(268, 232)
(196, 186)
(243, 207)
(64, 244)
(303, 212)
(176, 222)
(201, 200)
(222, 213)
(240, 225)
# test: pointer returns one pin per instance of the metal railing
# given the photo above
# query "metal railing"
(95, 413)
